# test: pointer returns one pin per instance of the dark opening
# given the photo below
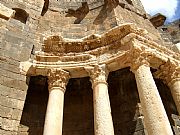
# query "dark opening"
(125, 103)
(79, 13)
(164, 29)
(45, 7)
(78, 108)
(167, 99)
(33, 116)
(21, 15)
(129, 2)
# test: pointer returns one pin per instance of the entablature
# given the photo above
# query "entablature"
(116, 48)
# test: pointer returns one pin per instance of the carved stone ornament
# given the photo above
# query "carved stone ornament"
(98, 74)
(122, 46)
(58, 78)
(169, 72)
(137, 57)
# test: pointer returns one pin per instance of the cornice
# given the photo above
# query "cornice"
(57, 45)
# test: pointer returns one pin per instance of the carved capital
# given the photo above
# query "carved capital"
(137, 57)
(98, 74)
(58, 78)
(169, 72)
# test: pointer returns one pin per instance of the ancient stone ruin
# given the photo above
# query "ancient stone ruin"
(87, 67)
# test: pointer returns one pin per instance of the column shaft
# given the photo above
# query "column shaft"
(170, 73)
(103, 124)
(155, 116)
(57, 80)
(54, 113)
(175, 91)
(102, 112)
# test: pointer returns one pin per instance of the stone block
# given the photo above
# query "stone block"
(10, 113)
(139, 125)
(12, 37)
(9, 66)
(11, 103)
(175, 130)
(12, 93)
(5, 132)
(140, 132)
(10, 125)
(12, 75)
(23, 128)
(6, 12)
(13, 83)
(136, 125)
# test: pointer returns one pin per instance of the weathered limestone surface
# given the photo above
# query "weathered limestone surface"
(12, 84)
(54, 114)
(178, 46)
(175, 87)
(155, 117)
(176, 126)
(70, 19)
(171, 76)
(171, 34)
(6, 12)
(102, 110)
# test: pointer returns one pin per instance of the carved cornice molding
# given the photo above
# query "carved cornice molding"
(149, 43)
(58, 78)
(57, 45)
(169, 72)
(98, 74)
(120, 47)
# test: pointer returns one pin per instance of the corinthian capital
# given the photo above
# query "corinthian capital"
(137, 57)
(98, 74)
(169, 72)
(58, 78)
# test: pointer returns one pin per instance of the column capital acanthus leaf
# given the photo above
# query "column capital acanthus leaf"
(137, 56)
(58, 78)
(169, 72)
(98, 74)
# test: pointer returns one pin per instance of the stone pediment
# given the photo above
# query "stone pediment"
(118, 48)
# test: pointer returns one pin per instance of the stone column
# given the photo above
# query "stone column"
(57, 81)
(178, 46)
(170, 73)
(174, 86)
(155, 117)
(103, 124)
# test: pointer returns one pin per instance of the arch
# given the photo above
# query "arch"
(21, 15)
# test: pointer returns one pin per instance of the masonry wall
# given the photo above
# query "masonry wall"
(16, 42)
(15, 46)
(170, 34)
(22, 34)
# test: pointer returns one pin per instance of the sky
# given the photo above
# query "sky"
(169, 8)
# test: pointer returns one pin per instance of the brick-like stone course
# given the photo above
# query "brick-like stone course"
(8, 124)
(12, 103)
(10, 113)
(12, 92)
(5, 132)
(13, 83)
